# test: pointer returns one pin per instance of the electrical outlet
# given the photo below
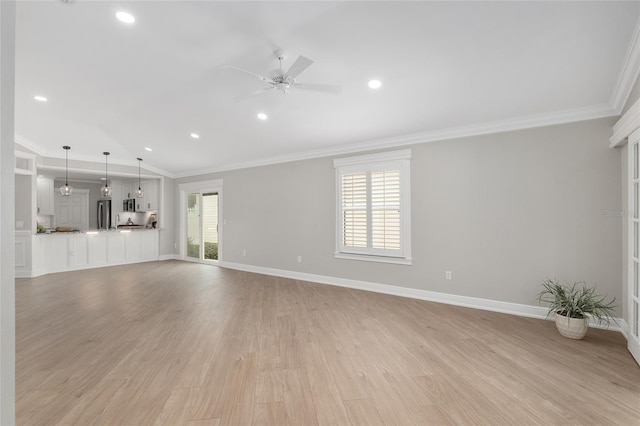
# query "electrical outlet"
(244, 252)
(175, 245)
(447, 275)
(299, 259)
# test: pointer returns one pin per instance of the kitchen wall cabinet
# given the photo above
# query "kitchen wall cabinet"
(150, 199)
(45, 197)
(128, 191)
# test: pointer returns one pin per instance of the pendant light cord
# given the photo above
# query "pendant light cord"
(66, 165)
(106, 157)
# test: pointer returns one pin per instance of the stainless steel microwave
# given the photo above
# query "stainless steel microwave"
(129, 205)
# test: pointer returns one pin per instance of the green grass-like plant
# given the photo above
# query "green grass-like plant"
(576, 301)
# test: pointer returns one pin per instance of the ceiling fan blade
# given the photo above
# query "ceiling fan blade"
(255, 93)
(329, 88)
(301, 64)
(260, 77)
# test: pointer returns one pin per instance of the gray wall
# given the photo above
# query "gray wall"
(502, 212)
(168, 228)
(634, 95)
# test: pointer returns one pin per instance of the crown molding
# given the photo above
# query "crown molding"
(513, 124)
(93, 172)
(628, 73)
(30, 145)
(627, 124)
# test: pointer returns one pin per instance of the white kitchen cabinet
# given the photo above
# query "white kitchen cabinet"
(141, 203)
(45, 196)
(56, 253)
(97, 245)
(126, 191)
(149, 246)
(116, 248)
(134, 246)
(67, 252)
(150, 199)
(78, 251)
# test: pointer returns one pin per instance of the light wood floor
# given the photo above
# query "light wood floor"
(177, 343)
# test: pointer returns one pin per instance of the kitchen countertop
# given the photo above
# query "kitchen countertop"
(101, 231)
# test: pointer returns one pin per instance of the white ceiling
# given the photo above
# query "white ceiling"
(448, 68)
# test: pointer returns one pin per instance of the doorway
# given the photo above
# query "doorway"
(201, 229)
(202, 225)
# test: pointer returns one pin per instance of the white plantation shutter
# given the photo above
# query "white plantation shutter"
(385, 206)
(354, 209)
(373, 205)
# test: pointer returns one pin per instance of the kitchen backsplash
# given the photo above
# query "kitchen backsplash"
(138, 218)
(44, 220)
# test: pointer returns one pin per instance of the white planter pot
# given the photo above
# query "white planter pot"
(573, 328)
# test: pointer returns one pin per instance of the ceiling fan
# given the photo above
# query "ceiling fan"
(283, 81)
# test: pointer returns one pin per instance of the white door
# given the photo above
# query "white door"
(201, 224)
(633, 340)
(73, 210)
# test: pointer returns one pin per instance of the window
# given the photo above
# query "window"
(373, 218)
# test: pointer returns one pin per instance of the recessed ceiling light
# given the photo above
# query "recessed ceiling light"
(103, 178)
(125, 17)
(40, 98)
(195, 135)
(375, 84)
(262, 116)
(148, 149)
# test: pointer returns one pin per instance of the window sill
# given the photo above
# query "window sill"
(371, 258)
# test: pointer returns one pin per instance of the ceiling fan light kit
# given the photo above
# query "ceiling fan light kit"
(285, 81)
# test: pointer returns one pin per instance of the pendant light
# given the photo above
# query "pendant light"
(139, 192)
(66, 189)
(106, 189)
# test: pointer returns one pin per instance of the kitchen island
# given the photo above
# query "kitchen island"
(41, 254)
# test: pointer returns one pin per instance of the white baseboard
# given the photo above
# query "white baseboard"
(169, 257)
(530, 311)
(623, 327)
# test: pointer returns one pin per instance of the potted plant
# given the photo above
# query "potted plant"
(574, 305)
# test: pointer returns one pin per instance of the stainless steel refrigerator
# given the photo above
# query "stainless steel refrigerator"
(104, 214)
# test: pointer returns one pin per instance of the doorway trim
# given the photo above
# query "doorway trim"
(627, 132)
(205, 186)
